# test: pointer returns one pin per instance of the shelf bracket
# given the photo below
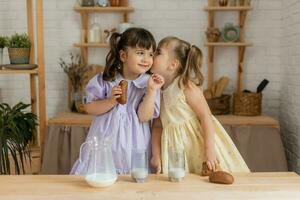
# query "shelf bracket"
(210, 78)
(240, 79)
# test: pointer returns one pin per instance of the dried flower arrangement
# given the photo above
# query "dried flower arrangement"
(76, 71)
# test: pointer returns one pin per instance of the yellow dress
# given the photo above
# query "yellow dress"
(182, 129)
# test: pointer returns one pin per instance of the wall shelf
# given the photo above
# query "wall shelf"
(242, 11)
(228, 44)
(228, 8)
(11, 71)
(92, 45)
(124, 9)
(84, 13)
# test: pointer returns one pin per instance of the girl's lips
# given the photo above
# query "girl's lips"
(144, 66)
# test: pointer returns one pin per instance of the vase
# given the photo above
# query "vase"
(223, 2)
(1, 56)
(114, 3)
(78, 100)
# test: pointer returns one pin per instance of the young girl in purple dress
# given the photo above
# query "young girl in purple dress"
(130, 57)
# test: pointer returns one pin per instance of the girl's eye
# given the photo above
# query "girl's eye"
(151, 54)
(140, 53)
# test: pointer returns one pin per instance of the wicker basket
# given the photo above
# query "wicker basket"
(247, 104)
(19, 55)
(220, 105)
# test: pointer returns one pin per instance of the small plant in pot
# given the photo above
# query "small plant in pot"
(17, 131)
(19, 48)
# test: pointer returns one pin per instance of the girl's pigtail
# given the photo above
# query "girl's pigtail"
(192, 69)
(113, 62)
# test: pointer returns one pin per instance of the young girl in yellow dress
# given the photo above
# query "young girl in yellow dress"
(185, 116)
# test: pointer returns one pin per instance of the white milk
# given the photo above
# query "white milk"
(100, 179)
(176, 173)
(139, 173)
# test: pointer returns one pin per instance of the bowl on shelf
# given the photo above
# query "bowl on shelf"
(20, 66)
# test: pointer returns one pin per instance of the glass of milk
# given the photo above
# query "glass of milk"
(176, 165)
(139, 165)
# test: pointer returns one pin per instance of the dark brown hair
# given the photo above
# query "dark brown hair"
(132, 37)
(190, 58)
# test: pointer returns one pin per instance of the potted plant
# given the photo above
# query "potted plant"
(3, 43)
(19, 48)
(17, 130)
(77, 74)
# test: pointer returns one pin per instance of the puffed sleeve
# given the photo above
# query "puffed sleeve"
(96, 89)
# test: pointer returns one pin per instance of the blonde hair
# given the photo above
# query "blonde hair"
(190, 58)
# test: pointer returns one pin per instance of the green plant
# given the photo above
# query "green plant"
(17, 130)
(3, 41)
(19, 41)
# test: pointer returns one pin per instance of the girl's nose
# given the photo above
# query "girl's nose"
(147, 58)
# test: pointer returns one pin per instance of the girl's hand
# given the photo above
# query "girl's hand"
(155, 82)
(212, 160)
(155, 163)
(115, 93)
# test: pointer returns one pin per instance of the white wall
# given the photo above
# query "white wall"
(273, 26)
(185, 19)
(290, 92)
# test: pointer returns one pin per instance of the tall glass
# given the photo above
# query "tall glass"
(139, 165)
(176, 164)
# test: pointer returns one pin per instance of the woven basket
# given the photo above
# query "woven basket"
(247, 104)
(220, 105)
(19, 55)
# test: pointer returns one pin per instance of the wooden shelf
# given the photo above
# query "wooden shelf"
(242, 13)
(103, 9)
(85, 120)
(228, 8)
(228, 44)
(84, 12)
(248, 120)
(70, 118)
(11, 71)
(92, 45)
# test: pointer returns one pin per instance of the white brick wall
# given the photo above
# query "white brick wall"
(185, 19)
(290, 92)
(273, 26)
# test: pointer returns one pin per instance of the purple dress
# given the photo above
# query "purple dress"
(121, 120)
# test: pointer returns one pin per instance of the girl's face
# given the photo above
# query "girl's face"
(162, 61)
(137, 60)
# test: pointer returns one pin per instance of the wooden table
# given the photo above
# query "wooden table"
(280, 185)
